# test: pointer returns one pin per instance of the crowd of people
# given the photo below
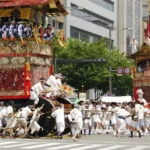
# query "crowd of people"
(13, 29)
(86, 117)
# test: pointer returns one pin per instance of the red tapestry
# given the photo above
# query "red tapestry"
(39, 72)
(14, 82)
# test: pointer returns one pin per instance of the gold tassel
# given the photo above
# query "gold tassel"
(28, 68)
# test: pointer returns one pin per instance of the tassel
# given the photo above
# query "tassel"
(28, 68)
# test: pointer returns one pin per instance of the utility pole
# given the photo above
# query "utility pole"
(110, 77)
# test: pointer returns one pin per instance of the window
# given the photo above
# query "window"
(91, 17)
(107, 4)
(60, 25)
(83, 35)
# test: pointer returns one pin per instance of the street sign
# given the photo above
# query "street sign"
(127, 70)
(119, 70)
(94, 60)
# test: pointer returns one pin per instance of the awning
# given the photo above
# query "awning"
(117, 99)
(51, 7)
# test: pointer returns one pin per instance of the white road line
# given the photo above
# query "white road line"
(65, 146)
(18, 145)
(87, 147)
(4, 143)
(41, 145)
(138, 148)
(112, 147)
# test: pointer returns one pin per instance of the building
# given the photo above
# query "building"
(89, 19)
(129, 15)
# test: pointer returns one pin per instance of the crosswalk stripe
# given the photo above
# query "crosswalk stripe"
(65, 146)
(87, 147)
(17, 145)
(4, 143)
(138, 148)
(41, 145)
(112, 147)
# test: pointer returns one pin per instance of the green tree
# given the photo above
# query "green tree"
(92, 75)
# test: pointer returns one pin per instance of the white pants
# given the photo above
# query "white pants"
(135, 124)
(11, 122)
(128, 120)
(35, 126)
(120, 124)
(87, 123)
(60, 127)
(76, 127)
(34, 96)
(113, 120)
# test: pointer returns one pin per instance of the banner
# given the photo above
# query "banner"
(23, 13)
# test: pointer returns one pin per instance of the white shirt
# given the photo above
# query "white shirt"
(25, 112)
(140, 111)
(122, 112)
(9, 110)
(52, 82)
(147, 114)
(59, 116)
(37, 88)
(2, 112)
(76, 115)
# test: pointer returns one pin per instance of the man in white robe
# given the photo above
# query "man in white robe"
(76, 121)
(36, 90)
(2, 114)
(59, 116)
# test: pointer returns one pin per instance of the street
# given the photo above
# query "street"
(93, 142)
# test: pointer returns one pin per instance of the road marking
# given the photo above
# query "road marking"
(16, 145)
(138, 148)
(112, 147)
(4, 143)
(87, 147)
(41, 145)
(65, 146)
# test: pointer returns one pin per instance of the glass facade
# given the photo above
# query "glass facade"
(91, 17)
(83, 35)
(107, 4)
(129, 25)
(137, 20)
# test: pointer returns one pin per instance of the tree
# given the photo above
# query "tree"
(92, 75)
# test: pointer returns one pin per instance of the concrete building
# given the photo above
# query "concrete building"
(89, 19)
(129, 15)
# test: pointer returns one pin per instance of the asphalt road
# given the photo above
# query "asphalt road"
(93, 142)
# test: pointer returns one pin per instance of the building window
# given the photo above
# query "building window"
(83, 35)
(91, 17)
(107, 4)
(61, 25)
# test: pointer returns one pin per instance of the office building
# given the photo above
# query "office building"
(89, 19)
(129, 15)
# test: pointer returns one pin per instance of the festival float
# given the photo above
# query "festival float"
(24, 59)
(141, 71)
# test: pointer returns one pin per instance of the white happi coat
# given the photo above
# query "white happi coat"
(121, 115)
(35, 91)
(113, 116)
(59, 116)
(77, 119)
(96, 117)
(140, 111)
(147, 117)
(23, 115)
(52, 82)
(10, 121)
(2, 114)
(87, 116)
(34, 125)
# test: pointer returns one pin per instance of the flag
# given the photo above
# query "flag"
(147, 34)
(52, 4)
